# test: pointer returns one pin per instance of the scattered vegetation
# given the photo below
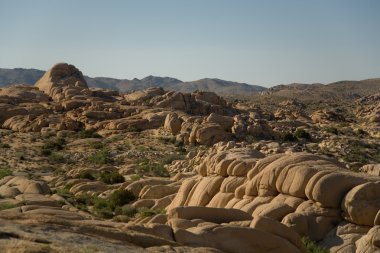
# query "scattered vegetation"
(167, 139)
(331, 130)
(88, 134)
(133, 129)
(108, 177)
(96, 144)
(287, 137)
(55, 144)
(168, 159)
(250, 139)
(115, 138)
(5, 206)
(4, 145)
(146, 212)
(131, 211)
(5, 171)
(312, 247)
(135, 177)
(302, 134)
(150, 168)
(56, 157)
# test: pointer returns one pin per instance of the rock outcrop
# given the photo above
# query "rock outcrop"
(62, 81)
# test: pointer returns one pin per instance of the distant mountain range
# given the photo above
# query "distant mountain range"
(222, 87)
(307, 92)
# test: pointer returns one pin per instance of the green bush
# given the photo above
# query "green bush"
(332, 130)
(287, 137)
(249, 139)
(5, 206)
(115, 138)
(111, 177)
(361, 132)
(4, 145)
(146, 212)
(120, 198)
(96, 144)
(127, 210)
(312, 247)
(302, 134)
(167, 139)
(101, 157)
(84, 134)
(56, 157)
(85, 175)
(133, 129)
(52, 145)
(4, 171)
(135, 177)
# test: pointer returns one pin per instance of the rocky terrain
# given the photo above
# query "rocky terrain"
(86, 169)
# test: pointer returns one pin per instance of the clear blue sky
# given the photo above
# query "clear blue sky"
(264, 42)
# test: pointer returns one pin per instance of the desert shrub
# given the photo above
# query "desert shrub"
(52, 145)
(149, 168)
(101, 157)
(120, 198)
(287, 137)
(142, 148)
(107, 208)
(127, 210)
(85, 175)
(115, 138)
(361, 132)
(96, 144)
(56, 157)
(332, 130)
(302, 134)
(133, 129)
(102, 207)
(135, 177)
(84, 134)
(21, 155)
(5, 171)
(167, 139)
(312, 247)
(249, 138)
(109, 177)
(64, 191)
(4, 145)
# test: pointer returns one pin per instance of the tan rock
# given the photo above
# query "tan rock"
(216, 215)
(362, 203)
(173, 123)
(279, 229)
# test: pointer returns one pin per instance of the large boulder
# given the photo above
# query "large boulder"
(172, 123)
(62, 81)
(362, 203)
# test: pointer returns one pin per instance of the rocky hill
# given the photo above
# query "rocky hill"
(342, 90)
(85, 169)
(19, 75)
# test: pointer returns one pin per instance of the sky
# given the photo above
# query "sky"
(266, 42)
